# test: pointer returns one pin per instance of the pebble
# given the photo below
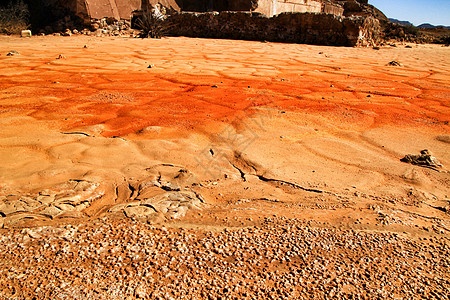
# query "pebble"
(278, 259)
(12, 53)
(394, 63)
(25, 33)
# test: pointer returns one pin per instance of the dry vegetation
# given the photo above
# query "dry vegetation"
(14, 17)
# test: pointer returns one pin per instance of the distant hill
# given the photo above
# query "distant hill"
(404, 23)
(423, 26)
(427, 25)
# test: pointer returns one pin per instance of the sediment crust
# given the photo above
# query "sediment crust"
(279, 143)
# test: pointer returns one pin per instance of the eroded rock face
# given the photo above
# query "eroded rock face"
(308, 28)
(117, 9)
(266, 7)
(298, 21)
(123, 9)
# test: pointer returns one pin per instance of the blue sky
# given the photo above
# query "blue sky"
(436, 12)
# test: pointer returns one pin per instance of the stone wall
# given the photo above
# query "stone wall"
(307, 28)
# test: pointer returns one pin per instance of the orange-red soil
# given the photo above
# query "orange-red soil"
(212, 134)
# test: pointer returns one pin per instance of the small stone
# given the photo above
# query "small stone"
(51, 211)
(61, 57)
(25, 33)
(65, 206)
(150, 66)
(33, 234)
(12, 53)
(424, 159)
(68, 32)
(95, 26)
(140, 292)
(394, 63)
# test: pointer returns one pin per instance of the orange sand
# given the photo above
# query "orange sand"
(333, 119)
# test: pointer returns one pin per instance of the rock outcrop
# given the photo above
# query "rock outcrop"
(321, 22)
(117, 9)
(267, 7)
(308, 28)
(123, 9)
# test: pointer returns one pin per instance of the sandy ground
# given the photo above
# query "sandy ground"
(203, 134)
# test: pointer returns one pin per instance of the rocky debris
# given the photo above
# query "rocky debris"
(12, 53)
(25, 33)
(115, 28)
(96, 27)
(278, 259)
(394, 64)
(424, 159)
(68, 32)
(60, 56)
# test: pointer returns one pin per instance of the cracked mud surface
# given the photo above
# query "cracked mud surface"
(221, 135)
